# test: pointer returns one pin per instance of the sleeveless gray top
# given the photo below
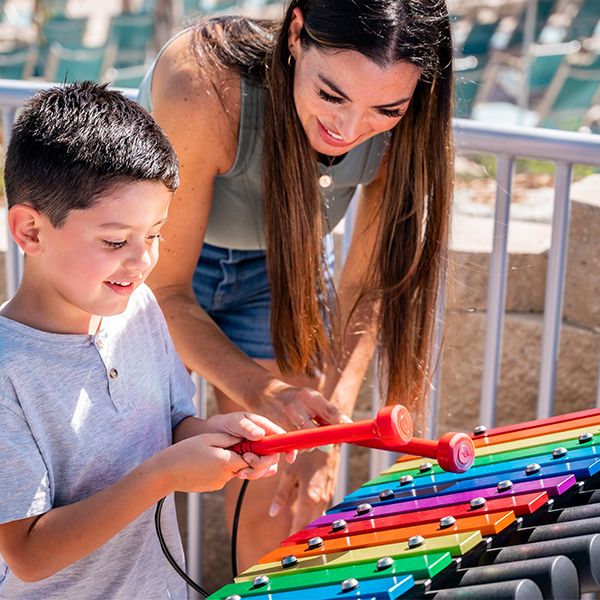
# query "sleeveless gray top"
(236, 219)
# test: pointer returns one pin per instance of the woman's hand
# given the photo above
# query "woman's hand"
(300, 407)
(310, 483)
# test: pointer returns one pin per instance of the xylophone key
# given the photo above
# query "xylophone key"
(524, 441)
(583, 468)
(539, 427)
(420, 567)
(487, 524)
(456, 544)
(388, 588)
(507, 461)
(521, 589)
(556, 576)
(521, 505)
(554, 486)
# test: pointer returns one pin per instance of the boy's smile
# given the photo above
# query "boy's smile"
(90, 266)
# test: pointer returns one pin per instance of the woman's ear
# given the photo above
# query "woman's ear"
(24, 225)
(296, 25)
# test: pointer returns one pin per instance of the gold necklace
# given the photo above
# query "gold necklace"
(326, 180)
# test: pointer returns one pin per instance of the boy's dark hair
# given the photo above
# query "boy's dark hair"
(72, 143)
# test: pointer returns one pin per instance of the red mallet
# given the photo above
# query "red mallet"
(391, 426)
(454, 452)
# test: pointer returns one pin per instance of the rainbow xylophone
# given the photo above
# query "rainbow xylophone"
(522, 523)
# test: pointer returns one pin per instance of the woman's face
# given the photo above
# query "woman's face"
(343, 98)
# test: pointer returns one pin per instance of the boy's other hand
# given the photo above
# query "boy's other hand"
(250, 427)
(202, 463)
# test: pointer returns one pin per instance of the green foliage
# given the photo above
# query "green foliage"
(488, 163)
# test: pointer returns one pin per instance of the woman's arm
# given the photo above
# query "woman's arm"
(204, 136)
(203, 130)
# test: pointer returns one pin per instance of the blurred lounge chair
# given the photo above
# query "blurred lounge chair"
(68, 64)
(17, 61)
(132, 35)
(504, 73)
(62, 30)
(571, 95)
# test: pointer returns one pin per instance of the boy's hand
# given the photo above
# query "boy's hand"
(247, 426)
(202, 463)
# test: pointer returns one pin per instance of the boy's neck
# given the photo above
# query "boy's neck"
(31, 306)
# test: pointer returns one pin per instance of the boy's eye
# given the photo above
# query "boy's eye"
(329, 98)
(155, 237)
(115, 245)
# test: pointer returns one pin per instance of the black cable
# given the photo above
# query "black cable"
(234, 528)
(203, 593)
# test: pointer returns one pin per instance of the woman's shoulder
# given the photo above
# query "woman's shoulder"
(182, 79)
(199, 110)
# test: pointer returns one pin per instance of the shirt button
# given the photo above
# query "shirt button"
(113, 373)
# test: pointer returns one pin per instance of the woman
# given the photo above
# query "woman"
(275, 125)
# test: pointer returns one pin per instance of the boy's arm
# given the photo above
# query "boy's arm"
(37, 547)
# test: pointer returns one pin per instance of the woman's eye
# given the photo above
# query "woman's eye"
(329, 98)
(392, 114)
(115, 245)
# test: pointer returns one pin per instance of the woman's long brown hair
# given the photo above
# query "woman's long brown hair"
(404, 278)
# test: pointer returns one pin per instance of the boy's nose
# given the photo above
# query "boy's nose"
(139, 260)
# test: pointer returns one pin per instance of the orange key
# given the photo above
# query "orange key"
(487, 524)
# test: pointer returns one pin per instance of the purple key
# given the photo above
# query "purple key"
(555, 486)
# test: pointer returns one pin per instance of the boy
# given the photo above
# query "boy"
(92, 393)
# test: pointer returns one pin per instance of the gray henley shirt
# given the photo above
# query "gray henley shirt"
(77, 413)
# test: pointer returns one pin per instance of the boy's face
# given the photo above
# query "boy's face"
(92, 264)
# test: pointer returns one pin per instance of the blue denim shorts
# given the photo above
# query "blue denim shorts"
(233, 288)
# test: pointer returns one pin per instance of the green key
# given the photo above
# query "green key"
(420, 567)
(456, 544)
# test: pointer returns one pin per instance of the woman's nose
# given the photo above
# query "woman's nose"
(349, 126)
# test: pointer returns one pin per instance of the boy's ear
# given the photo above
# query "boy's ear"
(24, 225)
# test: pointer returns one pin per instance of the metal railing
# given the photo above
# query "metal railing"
(565, 149)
